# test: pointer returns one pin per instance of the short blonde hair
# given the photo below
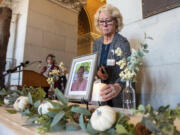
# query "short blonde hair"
(112, 11)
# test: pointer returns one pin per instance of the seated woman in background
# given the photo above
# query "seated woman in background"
(50, 60)
(51, 65)
(80, 83)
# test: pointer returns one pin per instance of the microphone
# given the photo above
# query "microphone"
(23, 64)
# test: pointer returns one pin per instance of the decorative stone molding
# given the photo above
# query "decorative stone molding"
(74, 5)
(12, 4)
(88, 37)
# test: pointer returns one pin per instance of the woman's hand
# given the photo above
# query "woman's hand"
(110, 91)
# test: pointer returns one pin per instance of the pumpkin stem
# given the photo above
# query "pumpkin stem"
(98, 112)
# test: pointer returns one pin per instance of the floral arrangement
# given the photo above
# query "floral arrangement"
(130, 66)
(56, 73)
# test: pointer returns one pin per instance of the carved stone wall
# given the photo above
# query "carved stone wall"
(51, 29)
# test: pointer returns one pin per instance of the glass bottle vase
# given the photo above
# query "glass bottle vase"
(129, 96)
(51, 92)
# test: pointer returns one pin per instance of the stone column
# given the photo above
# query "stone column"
(5, 20)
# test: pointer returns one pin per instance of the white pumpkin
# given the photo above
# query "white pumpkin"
(7, 101)
(103, 118)
(43, 108)
(10, 99)
(21, 103)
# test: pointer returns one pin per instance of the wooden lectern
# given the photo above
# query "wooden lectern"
(31, 78)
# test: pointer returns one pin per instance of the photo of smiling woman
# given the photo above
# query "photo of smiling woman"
(80, 83)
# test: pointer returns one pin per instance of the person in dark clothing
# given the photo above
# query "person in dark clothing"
(108, 21)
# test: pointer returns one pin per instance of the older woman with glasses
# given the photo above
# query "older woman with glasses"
(108, 21)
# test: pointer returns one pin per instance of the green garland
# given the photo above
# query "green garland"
(73, 117)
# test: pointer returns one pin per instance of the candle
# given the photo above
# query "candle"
(96, 91)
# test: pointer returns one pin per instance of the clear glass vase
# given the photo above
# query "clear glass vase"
(129, 96)
(51, 91)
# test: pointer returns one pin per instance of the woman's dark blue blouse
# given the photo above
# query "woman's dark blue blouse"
(104, 54)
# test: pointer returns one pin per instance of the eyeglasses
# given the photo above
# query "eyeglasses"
(101, 22)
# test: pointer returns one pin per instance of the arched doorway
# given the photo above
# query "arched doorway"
(86, 30)
(83, 34)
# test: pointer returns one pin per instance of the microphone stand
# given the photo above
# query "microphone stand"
(17, 68)
(19, 77)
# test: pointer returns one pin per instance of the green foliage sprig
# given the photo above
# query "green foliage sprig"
(73, 117)
(11, 95)
(65, 116)
(160, 122)
(35, 96)
(130, 66)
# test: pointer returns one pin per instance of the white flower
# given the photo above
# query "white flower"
(127, 74)
(55, 72)
(50, 80)
(61, 64)
(62, 67)
(118, 52)
(121, 63)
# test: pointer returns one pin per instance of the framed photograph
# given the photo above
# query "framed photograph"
(81, 77)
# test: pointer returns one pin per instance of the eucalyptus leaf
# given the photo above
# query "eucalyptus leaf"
(163, 108)
(150, 125)
(26, 112)
(80, 110)
(3, 92)
(149, 109)
(71, 128)
(51, 114)
(30, 121)
(90, 130)
(37, 103)
(30, 98)
(169, 130)
(58, 127)
(111, 131)
(120, 129)
(81, 123)
(141, 108)
(61, 97)
(57, 118)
